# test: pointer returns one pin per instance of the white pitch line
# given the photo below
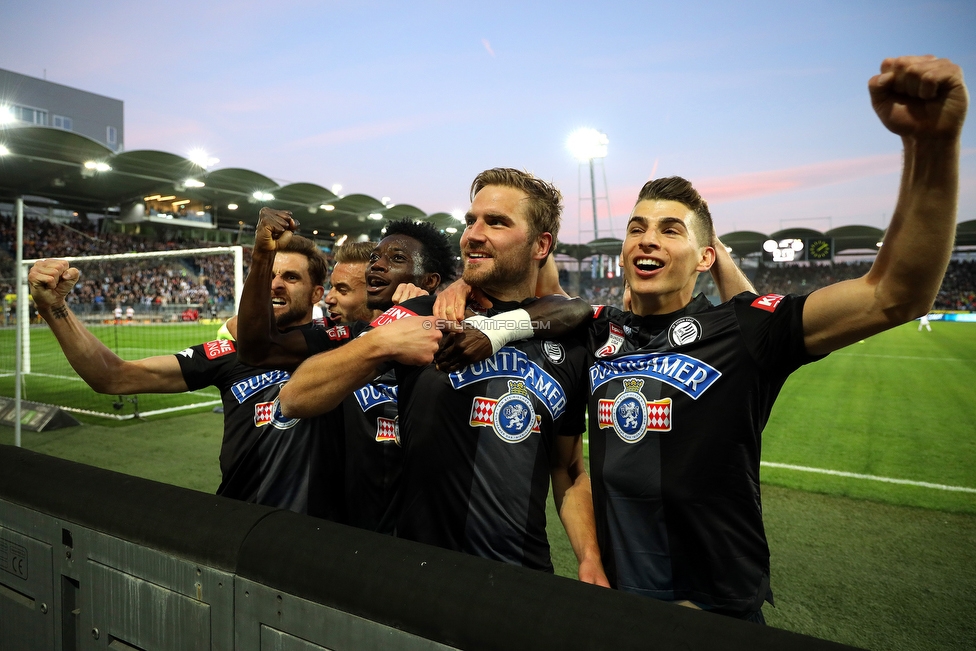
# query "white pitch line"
(927, 359)
(854, 475)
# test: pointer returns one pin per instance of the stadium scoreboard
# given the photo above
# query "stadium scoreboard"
(796, 250)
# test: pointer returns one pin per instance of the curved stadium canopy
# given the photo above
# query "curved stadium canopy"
(50, 163)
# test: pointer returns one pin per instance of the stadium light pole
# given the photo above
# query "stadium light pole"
(586, 145)
(23, 308)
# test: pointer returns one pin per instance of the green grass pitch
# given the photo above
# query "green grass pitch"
(863, 561)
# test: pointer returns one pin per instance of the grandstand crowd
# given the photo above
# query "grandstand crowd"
(151, 285)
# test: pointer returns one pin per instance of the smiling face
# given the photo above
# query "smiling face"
(347, 297)
(500, 255)
(662, 257)
(396, 259)
(292, 291)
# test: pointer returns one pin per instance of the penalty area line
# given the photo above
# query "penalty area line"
(854, 475)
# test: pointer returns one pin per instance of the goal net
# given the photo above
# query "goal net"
(139, 305)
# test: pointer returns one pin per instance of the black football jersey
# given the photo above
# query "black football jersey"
(677, 406)
(265, 458)
(477, 445)
(373, 456)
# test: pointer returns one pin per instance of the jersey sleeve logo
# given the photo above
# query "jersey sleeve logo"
(511, 416)
(338, 333)
(614, 342)
(631, 415)
(395, 313)
(597, 309)
(218, 348)
(769, 302)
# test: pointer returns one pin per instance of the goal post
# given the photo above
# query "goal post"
(139, 305)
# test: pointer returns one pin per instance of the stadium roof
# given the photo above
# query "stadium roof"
(51, 164)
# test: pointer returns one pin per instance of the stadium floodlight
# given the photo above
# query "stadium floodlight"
(341, 240)
(336, 188)
(7, 115)
(328, 207)
(3, 150)
(232, 206)
(200, 158)
(375, 215)
(587, 144)
(193, 183)
(458, 215)
(98, 166)
(385, 201)
(263, 196)
(451, 230)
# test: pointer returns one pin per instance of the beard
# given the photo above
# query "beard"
(294, 316)
(504, 271)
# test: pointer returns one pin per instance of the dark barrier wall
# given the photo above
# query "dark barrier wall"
(118, 562)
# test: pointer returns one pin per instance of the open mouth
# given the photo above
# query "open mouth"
(376, 283)
(648, 265)
(476, 256)
(278, 302)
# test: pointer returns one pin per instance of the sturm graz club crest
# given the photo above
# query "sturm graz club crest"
(685, 330)
(279, 420)
(514, 416)
(631, 415)
(630, 412)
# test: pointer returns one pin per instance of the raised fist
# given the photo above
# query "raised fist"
(50, 281)
(920, 96)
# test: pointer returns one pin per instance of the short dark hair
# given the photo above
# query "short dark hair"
(354, 252)
(545, 199)
(318, 266)
(436, 255)
(675, 188)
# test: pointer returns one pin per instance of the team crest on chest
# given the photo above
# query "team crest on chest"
(685, 330)
(631, 415)
(511, 416)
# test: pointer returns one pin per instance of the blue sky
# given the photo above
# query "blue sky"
(762, 105)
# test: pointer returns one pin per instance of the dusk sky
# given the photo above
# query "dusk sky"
(764, 106)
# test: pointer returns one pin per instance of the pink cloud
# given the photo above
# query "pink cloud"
(759, 184)
(487, 45)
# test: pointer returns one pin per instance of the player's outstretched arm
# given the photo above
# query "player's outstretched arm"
(325, 379)
(574, 501)
(727, 275)
(50, 282)
(923, 100)
(259, 342)
(479, 337)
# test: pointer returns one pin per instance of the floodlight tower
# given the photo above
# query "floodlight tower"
(587, 145)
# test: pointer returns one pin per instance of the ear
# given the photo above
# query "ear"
(430, 282)
(318, 293)
(706, 260)
(543, 246)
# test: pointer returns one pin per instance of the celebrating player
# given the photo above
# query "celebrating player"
(411, 260)
(265, 458)
(681, 390)
(481, 444)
